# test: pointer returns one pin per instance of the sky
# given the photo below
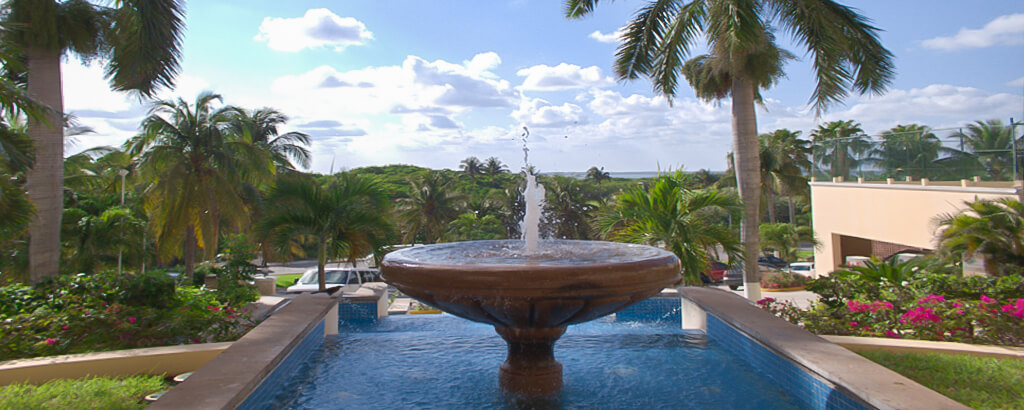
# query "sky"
(430, 83)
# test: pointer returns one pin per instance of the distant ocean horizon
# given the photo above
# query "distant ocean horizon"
(614, 174)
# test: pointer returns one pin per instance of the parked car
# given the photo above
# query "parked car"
(335, 277)
(803, 268)
(716, 272)
(734, 276)
(773, 262)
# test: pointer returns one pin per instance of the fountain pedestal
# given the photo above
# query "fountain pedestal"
(530, 299)
(530, 367)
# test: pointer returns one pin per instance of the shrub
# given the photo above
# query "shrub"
(781, 280)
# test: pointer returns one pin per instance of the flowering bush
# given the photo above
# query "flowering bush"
(933, 317)
(85, 313)
(781, 280)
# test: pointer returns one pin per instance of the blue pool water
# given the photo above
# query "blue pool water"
(444, 362)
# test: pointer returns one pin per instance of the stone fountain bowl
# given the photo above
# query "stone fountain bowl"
(567, 282)
(530, 299)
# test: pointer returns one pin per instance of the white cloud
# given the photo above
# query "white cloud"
(607, 38)
(317, 28)
(535, 112)
(1003, 30)
(85, 87)
(1016, 83)
(562, 77)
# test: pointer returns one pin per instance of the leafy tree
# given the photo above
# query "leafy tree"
(992, 228)
(743, 59)
(350, 214)
(841, 146)
(473, 227)
(428, 210)
(990, 142)
(472, 167)
(16, 157)
(140, 42)
(670, 216)
(493, 167)
(261, 127)
(705, 178)
(784, 238)
(93, 237)
(567, 209)
(513, 209)
(196, 167)
(597, 175)
(908, 150)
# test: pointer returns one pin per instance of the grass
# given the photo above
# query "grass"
(979, 382)
(86, 393)
(805, 255)
(284, 281)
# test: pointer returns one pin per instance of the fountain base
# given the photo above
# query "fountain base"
(530, 368)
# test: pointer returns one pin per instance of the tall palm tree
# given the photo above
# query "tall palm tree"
(428, 210)
(840, 145)
(784, 160)
(350, 213)
(472, 167)
(597, 175)
(990, 142)
(705, 178)
(743, 58)
(196, 167)
(784, 238)
(668, 215)
(908, 150)
(261, 126)
(493, 167)
(140, 42)
(992, 228)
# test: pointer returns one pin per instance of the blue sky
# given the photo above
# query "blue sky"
(431, 83)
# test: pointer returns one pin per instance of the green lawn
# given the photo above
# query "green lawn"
(979, 382)
(284, 281)
(805, 255)
(87, 393)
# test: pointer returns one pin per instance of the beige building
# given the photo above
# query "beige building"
(884, 218)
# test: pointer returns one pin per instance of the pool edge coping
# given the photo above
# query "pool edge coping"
(227, 380)
(868, 381)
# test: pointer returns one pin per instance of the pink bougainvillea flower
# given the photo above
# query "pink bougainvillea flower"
(51, 341)
(986, 299)
(853, 324)
(890, 333)
(919, 315)
(65, 327)
(957, 304)
(932, 299)
(856, 306)
(765, 301)
(131, 320)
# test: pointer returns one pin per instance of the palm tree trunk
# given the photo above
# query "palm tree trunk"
(748, 178)
(45, 181)
(792, 210)
(321, 276)
(190, 252)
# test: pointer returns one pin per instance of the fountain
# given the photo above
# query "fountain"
(530, 290)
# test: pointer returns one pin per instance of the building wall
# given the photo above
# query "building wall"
(905, 214)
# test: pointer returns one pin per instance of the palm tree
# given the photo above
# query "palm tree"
(668, 215)
(705, 178)
(840, 145)
(567, 209)
(140, 41)
(493, 167)
(472, 167)
(16, 157)
(428, 210)
(597, 175)
(784, 159)
(993, 228)
(261, 127)
(196, 167)
(743, 58)
(350, 213)
(908, 149)
(991, 143)
(784, 238)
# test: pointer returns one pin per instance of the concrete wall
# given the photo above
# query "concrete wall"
(903, 213)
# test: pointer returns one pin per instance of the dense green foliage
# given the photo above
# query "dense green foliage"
(89, 392)
(62, 315)
(978, 382)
